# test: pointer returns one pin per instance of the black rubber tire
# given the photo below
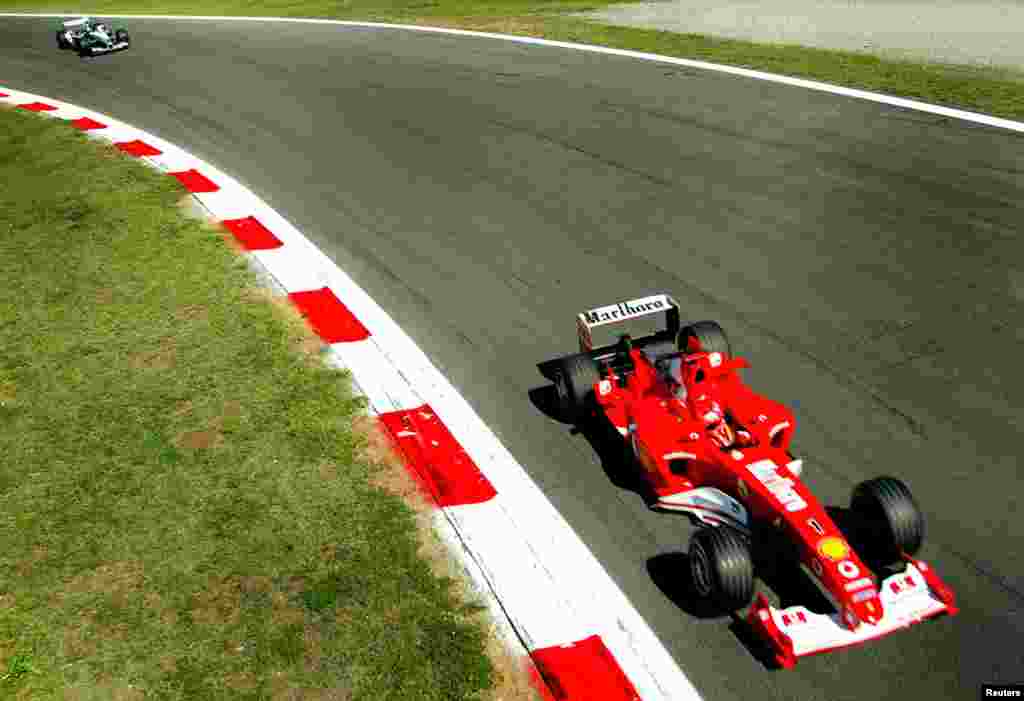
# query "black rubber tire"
(709, 334)
(122, 35)
(888, 519)
(721, 567)
(575, 386)
(61, 43)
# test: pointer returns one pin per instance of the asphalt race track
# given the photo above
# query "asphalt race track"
(867, 260)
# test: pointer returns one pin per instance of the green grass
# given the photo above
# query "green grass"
(998, 92)
(187, 509)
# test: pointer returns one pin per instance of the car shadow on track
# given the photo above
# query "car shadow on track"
(670, 572)
(605, 442)
(545, 398)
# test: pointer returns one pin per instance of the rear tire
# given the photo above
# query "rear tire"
(62, 43)
(888, 519)
(709, 335)
(721, 567)
(575, 386)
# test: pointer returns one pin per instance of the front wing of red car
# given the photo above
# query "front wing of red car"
(909, 597)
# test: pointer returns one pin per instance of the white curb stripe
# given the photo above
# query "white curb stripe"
(518, 577)
(976, 117)
(518, 550)
(114, 133)
(390, 390)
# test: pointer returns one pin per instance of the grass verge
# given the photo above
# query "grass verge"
(190, 508)
(998, 92)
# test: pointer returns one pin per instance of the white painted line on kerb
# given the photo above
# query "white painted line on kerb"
(976, 117)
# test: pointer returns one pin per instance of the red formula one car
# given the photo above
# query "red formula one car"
(708, 446)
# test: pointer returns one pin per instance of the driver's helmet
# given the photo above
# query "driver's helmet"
(711, 414)
(708, 410)
(722, 435)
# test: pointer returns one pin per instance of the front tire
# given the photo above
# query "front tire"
(889, 519)
(62, 43)
(721, 567)
(575, 386)
(122, 35)
(709, 337)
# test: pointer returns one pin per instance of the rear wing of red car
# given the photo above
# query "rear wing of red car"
(619, 312)
(614, 314)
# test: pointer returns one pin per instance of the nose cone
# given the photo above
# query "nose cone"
(869, 610)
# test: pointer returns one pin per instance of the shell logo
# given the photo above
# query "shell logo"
(833, 548)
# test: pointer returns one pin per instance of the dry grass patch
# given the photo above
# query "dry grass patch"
(283, 689)
(168, 664)
(283, 612)
(169, 618)
(78, 643)
(104, 296)
(105, 690)
(243, 682)
(313, 653)
(295, 585)
(218, 603)
(391, 475)
(256, 584)
(160, 358)
(329, 552)
(523, 26)
(192, 312)
(343, 616)
(27, 565)
(121, 577)
(328, 471)
(213, 435)
(7, 650)
(200, 440)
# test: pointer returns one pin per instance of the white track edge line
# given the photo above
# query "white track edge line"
(892, 100)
